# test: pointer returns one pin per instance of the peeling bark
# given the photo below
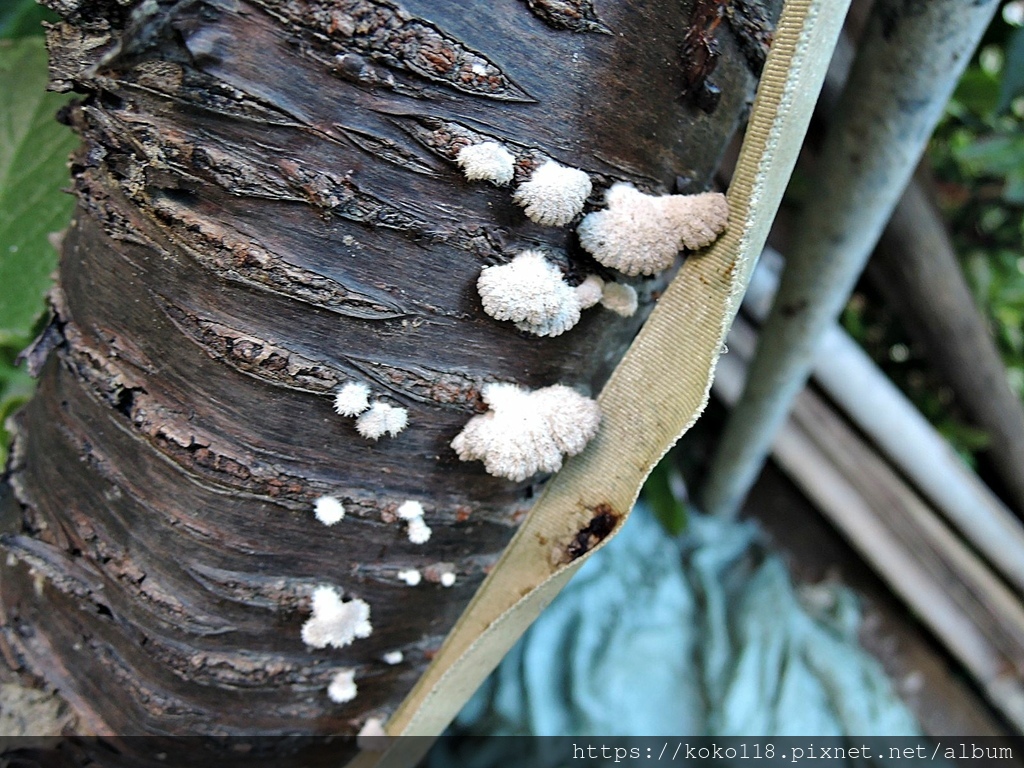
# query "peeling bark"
(268, 206)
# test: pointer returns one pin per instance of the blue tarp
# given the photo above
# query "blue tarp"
(705, 635)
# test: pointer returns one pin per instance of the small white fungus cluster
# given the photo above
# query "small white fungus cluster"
(375, 421)
(620, 299)
(441, 573)
(410, 576)
(335, 622)
(343, 686)
(531, 292)
(554, 194)
(590, 291)
(393, 657)
(418, 530)
(382, 419)
(487, 161)
(352, 399)
(329, 510)
(370, 736)
(527, 432)
(641, 234)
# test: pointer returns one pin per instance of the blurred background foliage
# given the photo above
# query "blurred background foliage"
(978, 160)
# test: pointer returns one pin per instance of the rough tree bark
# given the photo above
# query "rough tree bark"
(268, 206)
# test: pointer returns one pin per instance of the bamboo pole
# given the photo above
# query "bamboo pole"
(908, 63)
(885, 415)
(916, 266)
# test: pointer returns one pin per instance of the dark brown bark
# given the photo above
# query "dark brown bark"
(268, 206)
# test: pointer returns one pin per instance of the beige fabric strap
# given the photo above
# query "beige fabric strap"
(654, 395)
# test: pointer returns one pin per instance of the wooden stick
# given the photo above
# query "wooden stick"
(891, 421)
(905, 70)
(916, 268)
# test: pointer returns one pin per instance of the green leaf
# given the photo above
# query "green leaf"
(995, 155)
(23, 18)
(668, 509)
(1013, 192)
(977, 91)
(33, 155)
(16, 386)
(1012, 84)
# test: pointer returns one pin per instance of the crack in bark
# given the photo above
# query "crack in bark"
(446, 138)
(236, 258)
(278, 366)
(384, 32)
(572, 15)
(244, 671)
(279, 594)
(389, 150)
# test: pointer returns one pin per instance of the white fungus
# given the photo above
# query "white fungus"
(527, 432)
(487, 161)
(329, 510)
(554, 194)
(352, 399)
(641, 234)
(556, 326)
(382, 419)
(590, 291)
(419, 531)
(409, 510)
(343, 686)
(335, 622)
(371, 736)
(393, 657)
(531, 292)
(620, 299)
(410, 576)
(440, 573)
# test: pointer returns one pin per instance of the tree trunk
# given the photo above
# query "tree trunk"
(268, 206)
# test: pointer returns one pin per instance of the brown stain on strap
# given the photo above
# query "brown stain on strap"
(601, 525)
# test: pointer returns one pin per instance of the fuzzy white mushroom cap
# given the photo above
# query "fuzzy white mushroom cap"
(335, 622)
(590, 291)
(393, 657)
(352, 399)
(343, 686)
(382, 419)
(419, 531)
(620, 299)
(487, 161)
(528, 432)
(410, 576)
(531, 292)
(554, 194)
(329, 510)
(409, 510)
(641, 234)
(555, 326)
